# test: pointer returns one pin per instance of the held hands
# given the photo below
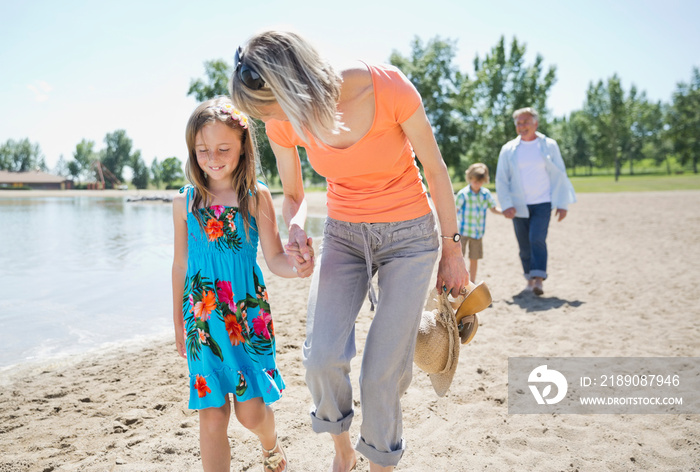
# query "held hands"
(510, 213)
(300, 248)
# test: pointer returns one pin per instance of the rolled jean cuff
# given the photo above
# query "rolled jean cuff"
(383, 459)
(333, 427)
(538, 273)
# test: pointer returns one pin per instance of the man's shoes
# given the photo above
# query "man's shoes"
(537, 287)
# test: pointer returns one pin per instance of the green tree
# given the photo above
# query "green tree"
(61, 167)
(140, 171)
(83, 158)
(156, 172)
(573, 137)
(684, 121)
(171, 171)
(21, 156)
(117, 153)
(447, 95)
(617, 126)
(621, 123)
(503, 84)
(645, 120)
(596, 111)
(6, 159)
(217, 74)
(74, 170)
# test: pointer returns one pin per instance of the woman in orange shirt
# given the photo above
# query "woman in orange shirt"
(360, 128)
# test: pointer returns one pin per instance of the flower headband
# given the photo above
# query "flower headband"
(236, 115)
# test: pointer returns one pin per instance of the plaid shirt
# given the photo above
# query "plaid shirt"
(471, 211)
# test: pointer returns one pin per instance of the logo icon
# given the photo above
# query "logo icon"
(549, 376)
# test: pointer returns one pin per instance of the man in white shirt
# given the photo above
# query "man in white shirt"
(531, 180)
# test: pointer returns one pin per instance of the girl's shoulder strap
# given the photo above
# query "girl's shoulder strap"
(254, 190)
(189, 190)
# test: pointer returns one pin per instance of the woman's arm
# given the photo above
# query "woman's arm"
(452, 271)
(179, 269)
(294, 202)
(277, 260)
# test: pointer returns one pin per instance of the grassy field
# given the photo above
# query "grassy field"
(626, 183)
(635, 183)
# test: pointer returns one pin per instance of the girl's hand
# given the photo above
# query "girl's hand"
(302, 257)
(180, 343)
(299, 243)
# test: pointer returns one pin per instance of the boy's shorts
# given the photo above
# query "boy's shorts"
(476, 248)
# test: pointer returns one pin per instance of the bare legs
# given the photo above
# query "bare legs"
(472, 269)
(345, 458)
(213, 439)
(253, 414)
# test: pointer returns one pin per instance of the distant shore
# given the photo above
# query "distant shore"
(316, 201)
(84, 193)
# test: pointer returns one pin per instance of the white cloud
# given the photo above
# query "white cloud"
(40, 89)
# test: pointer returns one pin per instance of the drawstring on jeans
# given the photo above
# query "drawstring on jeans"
(367, 233)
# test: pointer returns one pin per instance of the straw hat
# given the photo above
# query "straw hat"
(438, 341)
(437, 345)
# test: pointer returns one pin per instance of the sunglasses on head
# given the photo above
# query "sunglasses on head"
(248, 76)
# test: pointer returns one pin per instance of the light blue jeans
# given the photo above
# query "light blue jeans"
(403, 255)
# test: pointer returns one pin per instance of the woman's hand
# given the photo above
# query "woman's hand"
(300, 247)
(452, 271)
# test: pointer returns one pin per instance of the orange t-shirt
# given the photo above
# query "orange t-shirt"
(376, 179)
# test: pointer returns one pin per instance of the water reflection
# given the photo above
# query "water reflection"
(76, 273)
(79, 272)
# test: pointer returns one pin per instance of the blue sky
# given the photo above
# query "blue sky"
(75, 69)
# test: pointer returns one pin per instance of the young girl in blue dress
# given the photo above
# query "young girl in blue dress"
(221, 312)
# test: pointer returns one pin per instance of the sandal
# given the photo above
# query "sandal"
(274, 459)
(349, 470)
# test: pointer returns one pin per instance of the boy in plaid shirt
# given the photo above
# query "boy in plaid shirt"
(472, 203)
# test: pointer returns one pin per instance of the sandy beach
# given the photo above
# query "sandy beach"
(623, 282)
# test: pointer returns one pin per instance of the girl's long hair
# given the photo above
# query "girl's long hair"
(243, 179)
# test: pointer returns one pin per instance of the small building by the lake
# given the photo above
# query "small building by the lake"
(34, 179)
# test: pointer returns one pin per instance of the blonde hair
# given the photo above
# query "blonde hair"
(243, 179)
(478, 172)
(305, 85)
(527, 110)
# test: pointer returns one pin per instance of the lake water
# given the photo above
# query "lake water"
(84, 273)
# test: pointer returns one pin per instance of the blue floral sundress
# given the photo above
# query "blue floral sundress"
(229, 333)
